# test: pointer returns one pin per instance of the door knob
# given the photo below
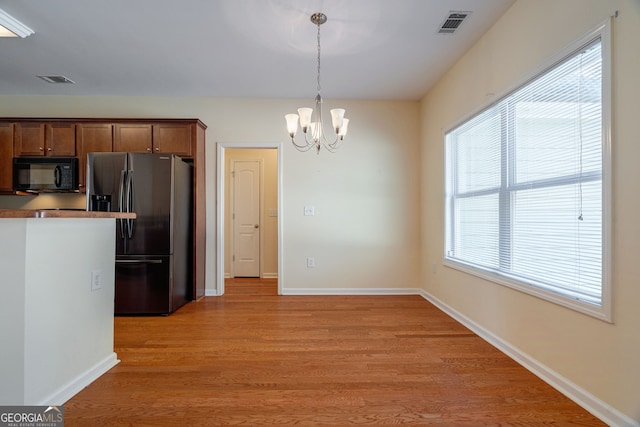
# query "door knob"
(255, 226)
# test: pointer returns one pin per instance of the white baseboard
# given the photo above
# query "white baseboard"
(336, 291)
(586, 400)
(264, 275)
(350, 291)
(73, 387)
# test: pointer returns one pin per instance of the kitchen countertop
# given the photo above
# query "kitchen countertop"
(62, 213)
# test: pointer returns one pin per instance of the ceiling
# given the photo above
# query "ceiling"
(371, 49)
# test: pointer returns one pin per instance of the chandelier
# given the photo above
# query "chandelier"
(311, 118)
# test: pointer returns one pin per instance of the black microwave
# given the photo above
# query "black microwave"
(45, 174)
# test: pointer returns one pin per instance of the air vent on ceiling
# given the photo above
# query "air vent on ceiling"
(56, 79)
(452, 22)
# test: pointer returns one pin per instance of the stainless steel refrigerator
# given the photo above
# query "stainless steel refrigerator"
(153, 251)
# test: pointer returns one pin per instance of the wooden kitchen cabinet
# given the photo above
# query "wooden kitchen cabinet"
(133, 138)
(91, 138)
(29, 139)
(158, 138)
(60, 139)
(6, 157)
(45, 139)
(174, 138)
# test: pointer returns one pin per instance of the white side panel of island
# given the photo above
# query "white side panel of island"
(12, 303)
(67, 326)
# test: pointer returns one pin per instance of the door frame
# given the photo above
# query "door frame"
(220, 154)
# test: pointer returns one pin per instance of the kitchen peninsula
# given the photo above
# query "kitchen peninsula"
(56, 310)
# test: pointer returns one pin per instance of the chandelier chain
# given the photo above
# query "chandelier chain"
(318, 57)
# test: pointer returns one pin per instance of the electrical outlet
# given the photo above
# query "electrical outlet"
(96, 280)
(309, 210)
(311, 262)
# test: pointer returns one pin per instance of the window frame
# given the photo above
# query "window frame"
(604, 310)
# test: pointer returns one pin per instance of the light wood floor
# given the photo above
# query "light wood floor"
(254, 358)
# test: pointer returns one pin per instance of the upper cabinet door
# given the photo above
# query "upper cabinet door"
(6, 156)
(60, 139)
(29, 139)
(45, 139)
(133, 138)
(170, 138)
(92, 138)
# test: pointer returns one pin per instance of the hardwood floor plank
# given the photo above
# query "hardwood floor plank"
(253, 358)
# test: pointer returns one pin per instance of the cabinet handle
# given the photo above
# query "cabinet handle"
(49, 149)
(41, 149)
(148, 149)
(157, 149)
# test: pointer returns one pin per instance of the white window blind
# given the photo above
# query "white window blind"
(525, 183)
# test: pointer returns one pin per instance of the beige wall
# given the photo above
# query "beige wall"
(269, 202)
(601, 358)
(365, 233)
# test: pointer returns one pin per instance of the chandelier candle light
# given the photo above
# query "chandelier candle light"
(311, 118)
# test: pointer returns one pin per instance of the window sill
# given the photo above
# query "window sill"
(601, 312)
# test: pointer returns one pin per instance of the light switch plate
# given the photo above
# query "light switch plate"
(309, 210)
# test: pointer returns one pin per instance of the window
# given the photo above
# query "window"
(527, 184)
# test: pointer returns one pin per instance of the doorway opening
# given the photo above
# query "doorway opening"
(257, 234)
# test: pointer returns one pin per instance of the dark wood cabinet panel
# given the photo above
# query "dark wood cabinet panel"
(174, 138)
(159, 138)
(45, 139)
(133, 138)
(199, 219)
(91, 138)
(60, 139)
(29, 139)
(6, 157)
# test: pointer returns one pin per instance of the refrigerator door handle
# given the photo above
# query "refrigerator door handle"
(130, 205)
(121, 195)
(131, 190)
(123, 175)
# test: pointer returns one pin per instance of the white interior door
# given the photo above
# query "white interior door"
(246, 217)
